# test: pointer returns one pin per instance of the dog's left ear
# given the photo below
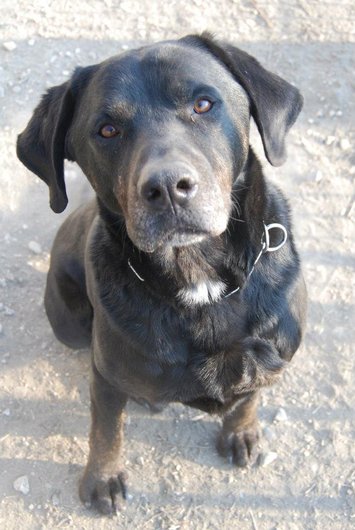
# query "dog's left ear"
(274, 103)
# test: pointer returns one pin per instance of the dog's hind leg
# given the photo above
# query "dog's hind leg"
(67, 305)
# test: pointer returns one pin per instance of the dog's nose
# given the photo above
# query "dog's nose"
(161, 188)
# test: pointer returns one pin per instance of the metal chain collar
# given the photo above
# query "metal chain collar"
(265, 247)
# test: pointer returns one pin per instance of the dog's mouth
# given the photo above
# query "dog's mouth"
(172, 239)
(184, 238)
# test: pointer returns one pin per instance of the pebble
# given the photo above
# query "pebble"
(330, 140)
(55, 499)
(319, 176)
(269, 434)
(266, 459)
(2, 282)
(9, 46)
(281, 415)
(345, 144)
(22, 485)
(9, 312)
(1, 329)
(5, 358)
(314, 467)
(6, 412)
(35, 247)
(31, 42)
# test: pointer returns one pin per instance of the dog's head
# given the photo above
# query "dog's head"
(161, 133)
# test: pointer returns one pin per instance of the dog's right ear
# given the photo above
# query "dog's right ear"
(41, 147)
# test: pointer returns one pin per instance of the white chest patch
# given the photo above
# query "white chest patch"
(202, 293)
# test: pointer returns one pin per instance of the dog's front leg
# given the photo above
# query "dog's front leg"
(240, 432)
(103, 479)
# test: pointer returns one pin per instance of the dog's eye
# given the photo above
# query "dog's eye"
(109, 131)
(202, 105)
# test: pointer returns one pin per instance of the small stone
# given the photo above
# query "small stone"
(330, 140)
(266, 459)
(314, 467)
(345, 144)
(22, 485)
(319, 176)
(269, 434)
(281, 415)
(6, 412)
(9, 46)
(31, 42)
(9, 312)
(35, 247)
(2, 282)
(56, 498)
(1, 329)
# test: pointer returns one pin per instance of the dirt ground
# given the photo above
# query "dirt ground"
(176, 479)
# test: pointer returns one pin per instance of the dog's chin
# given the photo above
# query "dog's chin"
(167, 242)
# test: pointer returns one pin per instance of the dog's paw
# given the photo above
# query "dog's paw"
(102, 492)
(239, 446)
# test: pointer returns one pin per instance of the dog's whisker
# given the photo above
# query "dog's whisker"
(237, 219)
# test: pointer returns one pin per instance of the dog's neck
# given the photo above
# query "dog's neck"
(204, 272)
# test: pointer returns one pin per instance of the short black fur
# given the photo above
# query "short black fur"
(142, 274)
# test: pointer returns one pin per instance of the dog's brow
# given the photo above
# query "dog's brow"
(122, 109)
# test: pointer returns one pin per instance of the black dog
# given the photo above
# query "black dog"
(169, 275)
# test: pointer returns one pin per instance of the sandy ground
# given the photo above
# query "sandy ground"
(176, 479)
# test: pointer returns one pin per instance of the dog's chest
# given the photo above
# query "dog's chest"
(165, 354)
